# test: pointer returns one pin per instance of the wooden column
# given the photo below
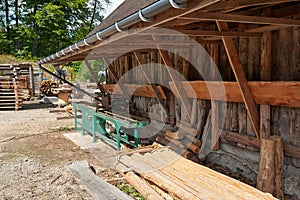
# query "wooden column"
(214, 53)
(240, 77)
(265, 75)
(270, 175)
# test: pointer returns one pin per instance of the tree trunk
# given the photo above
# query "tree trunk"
(17, 22)
(35, 28)
(7, 18)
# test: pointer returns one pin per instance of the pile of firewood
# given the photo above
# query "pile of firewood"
(187, 140)
(46, 87)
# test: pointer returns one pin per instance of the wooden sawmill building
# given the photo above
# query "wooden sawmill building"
(226, 72)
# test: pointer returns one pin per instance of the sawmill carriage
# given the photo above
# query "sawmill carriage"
(215, 80)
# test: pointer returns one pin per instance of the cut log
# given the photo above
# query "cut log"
(97, 187)
(195, 149)
(185, 127)
(266, 174)
(181, 151)
(278, 193)
(174, 135)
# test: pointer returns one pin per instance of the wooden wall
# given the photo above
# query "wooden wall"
(285, 121)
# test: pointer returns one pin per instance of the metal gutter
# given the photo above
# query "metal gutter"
(145, 14)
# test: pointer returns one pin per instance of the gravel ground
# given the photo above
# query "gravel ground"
(34, 155)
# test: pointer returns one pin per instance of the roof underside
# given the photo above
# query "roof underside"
(197, 20)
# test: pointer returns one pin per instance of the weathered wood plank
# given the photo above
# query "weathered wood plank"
(97, 187)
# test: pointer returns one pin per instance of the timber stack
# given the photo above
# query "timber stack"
(10, 94)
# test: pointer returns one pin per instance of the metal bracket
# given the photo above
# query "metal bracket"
(71, 48)
(119, 28)
(57, 55)
(85, 42)
(143, 18)
(77, 47)
(177, 6)
(63, 53)
(98, 35)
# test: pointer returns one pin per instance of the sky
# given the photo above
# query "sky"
(114, 4)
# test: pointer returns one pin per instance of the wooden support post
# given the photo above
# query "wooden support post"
(265, 75)
(240, 77)
(270, 175)
(214, 53)
(142, 61)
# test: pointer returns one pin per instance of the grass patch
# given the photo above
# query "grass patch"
(65, 128)
(130, 190)
(9, 59)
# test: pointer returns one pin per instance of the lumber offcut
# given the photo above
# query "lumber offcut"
(97, 187)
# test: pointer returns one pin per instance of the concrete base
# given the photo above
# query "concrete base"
(103, 152)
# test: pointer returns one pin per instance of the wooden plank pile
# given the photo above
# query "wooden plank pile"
(163, 174)
(10, 94)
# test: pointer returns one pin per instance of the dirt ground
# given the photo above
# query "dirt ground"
(34, 155)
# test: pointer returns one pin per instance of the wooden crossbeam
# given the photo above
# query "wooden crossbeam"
(135, 90)
(240, 77)
(177, 32)
(205, 16)
(142, 61)
(267, 93)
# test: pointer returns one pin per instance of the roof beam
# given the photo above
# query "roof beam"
(240, 77)
(240, 18)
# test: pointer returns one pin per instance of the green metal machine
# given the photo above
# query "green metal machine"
(94, 122)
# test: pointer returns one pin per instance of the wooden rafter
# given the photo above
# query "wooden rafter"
(241, 19)
(142, 61)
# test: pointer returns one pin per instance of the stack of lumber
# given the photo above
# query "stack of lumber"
(163, 174)
(10, 95)
(24, 86)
